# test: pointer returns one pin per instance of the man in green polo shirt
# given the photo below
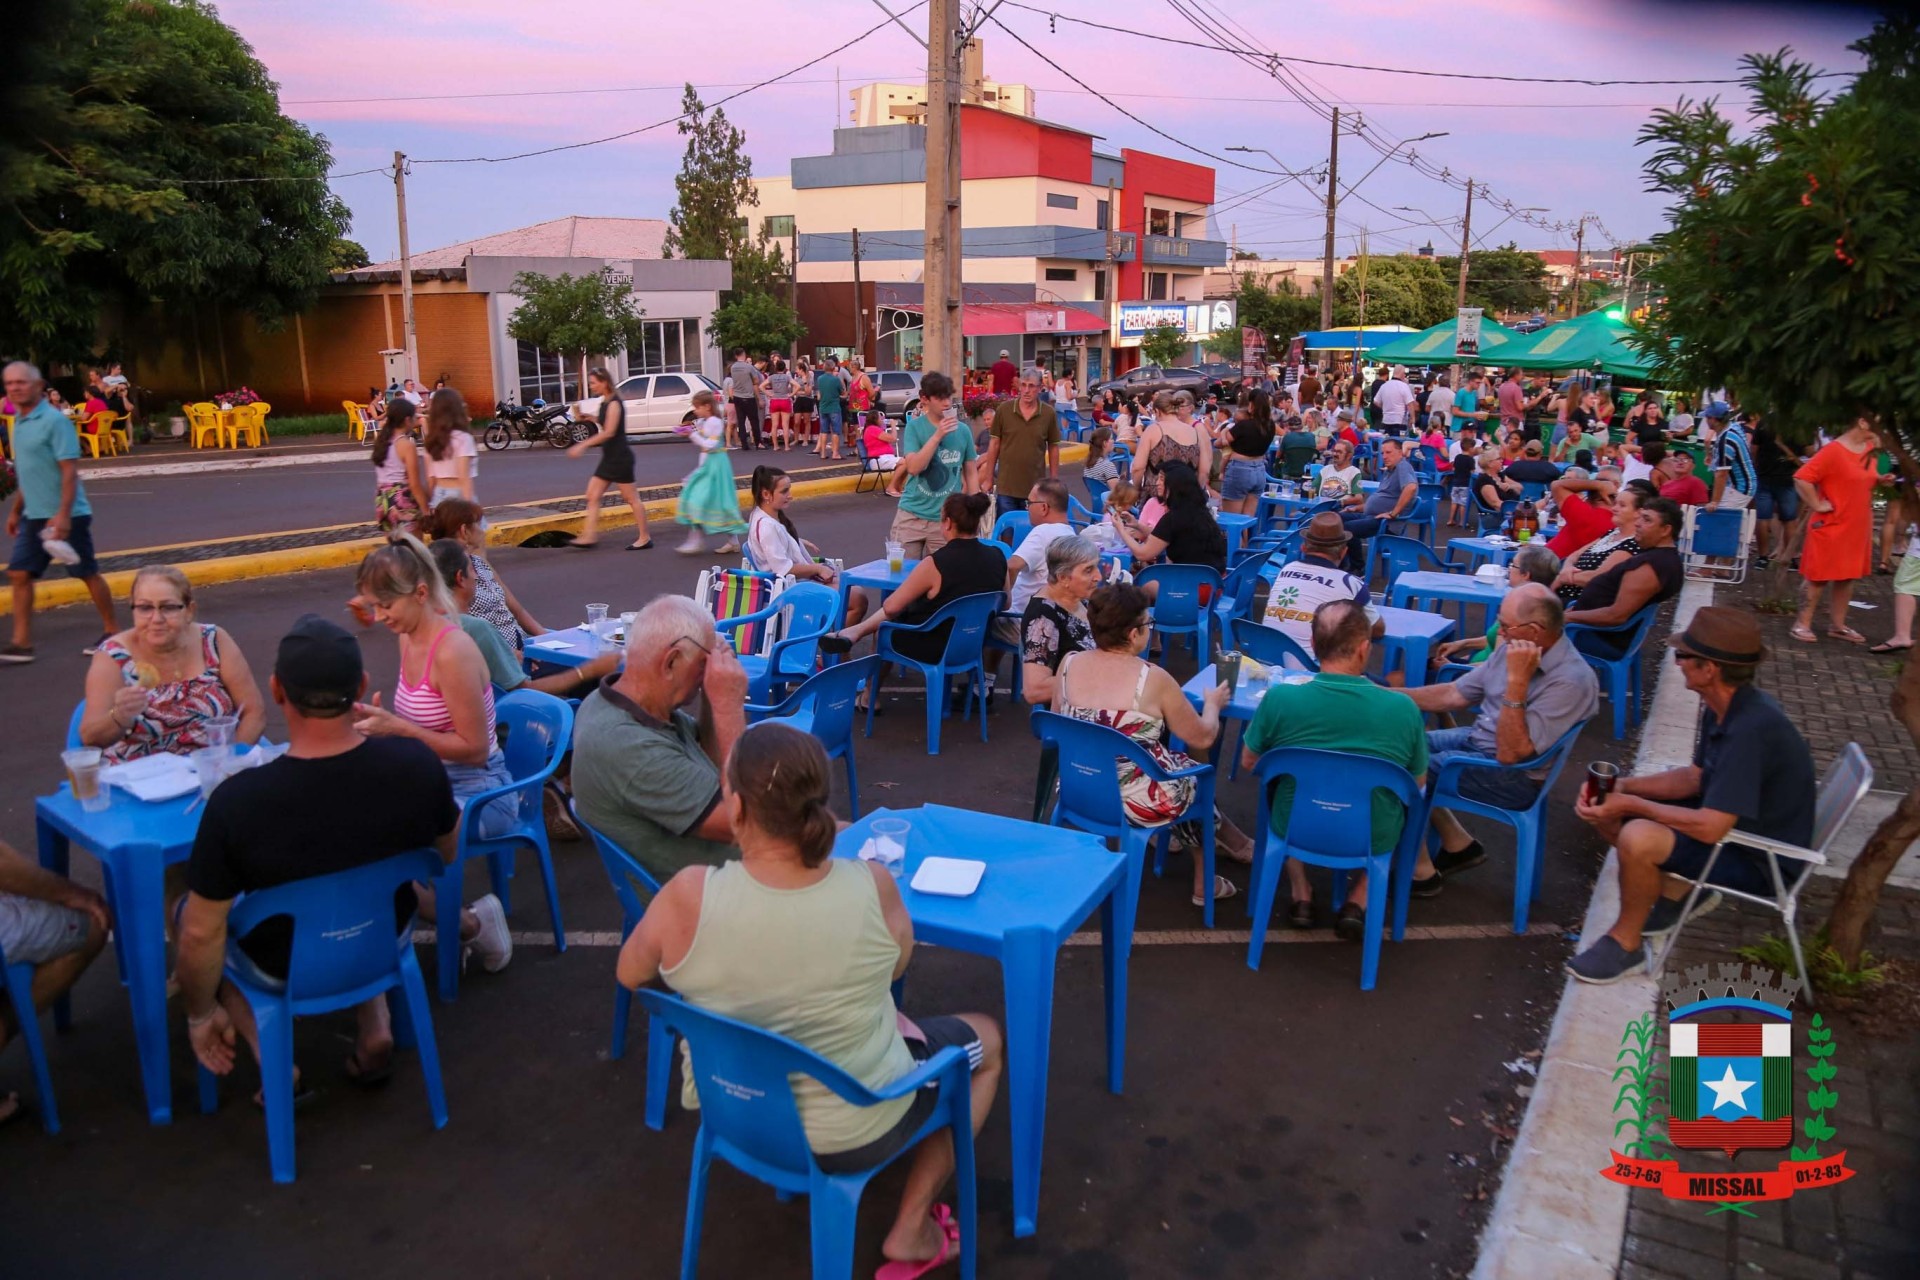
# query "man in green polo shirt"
(1024, 446)
(1340, 710)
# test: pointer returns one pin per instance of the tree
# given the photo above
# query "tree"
(349, 255)
(1280, 312)
(1501, 281)
(1399, 289)
(580, 315)
(1787, 273)
(1224, 345)
(126, 125)
(756, 321)
(1162, 345)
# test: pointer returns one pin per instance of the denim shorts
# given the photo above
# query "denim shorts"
(30, 555)
(1780, 501)
(1242, 478)
(1501, 788)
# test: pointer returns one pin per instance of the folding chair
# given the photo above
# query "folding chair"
(1715, 543)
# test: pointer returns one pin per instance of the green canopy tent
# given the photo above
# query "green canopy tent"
(1435, 345)
(1597, 340)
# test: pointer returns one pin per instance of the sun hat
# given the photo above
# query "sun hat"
(1720, 633)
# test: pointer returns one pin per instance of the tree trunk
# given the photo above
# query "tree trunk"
(1853, 910)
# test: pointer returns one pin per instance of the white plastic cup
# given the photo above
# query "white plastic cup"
(83, 774)
(596, 614)
(210, 763)
(896, 557)
(890, 844)
(220, 730)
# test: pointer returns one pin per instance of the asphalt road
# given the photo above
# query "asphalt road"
(1274, 1122)
(164, 510)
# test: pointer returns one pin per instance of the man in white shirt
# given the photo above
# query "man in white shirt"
(1395, 399)
(1301, 587)
(1027, 566)
(1440, 404)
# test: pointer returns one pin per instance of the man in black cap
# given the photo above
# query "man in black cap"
(1751, 772)
(337, 799)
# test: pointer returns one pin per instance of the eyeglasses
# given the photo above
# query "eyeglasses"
(695, 642)
(1036, 502)
(170, 610)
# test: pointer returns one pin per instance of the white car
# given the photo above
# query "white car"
(655, 402)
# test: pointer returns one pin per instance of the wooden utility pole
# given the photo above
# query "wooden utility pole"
(940, 275)
(793, 284)
(1466, 228)
(859, 311)
(1333, 202)
(408, 338)
(1579, 264)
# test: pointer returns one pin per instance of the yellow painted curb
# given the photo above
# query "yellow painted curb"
(338, 555)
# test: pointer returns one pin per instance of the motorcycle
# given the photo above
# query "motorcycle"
(531, 423)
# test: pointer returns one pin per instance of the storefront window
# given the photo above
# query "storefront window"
(545, 375)
(666, 346)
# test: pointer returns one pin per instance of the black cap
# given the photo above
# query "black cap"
(318, 666)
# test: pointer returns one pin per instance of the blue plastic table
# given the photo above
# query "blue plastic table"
(1040, 883)
(580, 650)
(135, 843)
(875, 574)
(1235, 527)
(1475, 551)
(1464, 589)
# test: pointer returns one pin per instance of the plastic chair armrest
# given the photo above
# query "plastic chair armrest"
(925, 1074)
(745, 619)
(1191, 771)
(1453, 766)
(481, 799)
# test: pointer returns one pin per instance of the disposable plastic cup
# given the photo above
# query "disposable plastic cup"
(83, 774)
(220, 730)
(211, 764)
(890, 844)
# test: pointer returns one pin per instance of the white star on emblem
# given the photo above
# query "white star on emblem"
(1728, 1091)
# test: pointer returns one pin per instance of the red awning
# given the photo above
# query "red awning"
(1004, 319)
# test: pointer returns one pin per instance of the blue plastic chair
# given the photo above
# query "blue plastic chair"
(1078, 516)
(1620, 676)
(1012, 528)
(1485, 521)
(1398, 555)
(965, 655)
(539, 731)
(749, 1119)
(630, 879)
(1096, 498)
(824, 707)
(1071, 424)
(343, 954)
(18, 979)
(1270, 647)
(815, 610)
(73, 726)
(1331, 825)
(1240, 589)
(1087, 755)
(1419, 516)
(1177, 610)
(1533, 490)
(1529, 824)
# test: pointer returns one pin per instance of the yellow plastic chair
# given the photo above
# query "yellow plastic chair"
(122, 427)
(356, 420)
(227, 427)
(100, 439)
(203, 420)
(253, 421)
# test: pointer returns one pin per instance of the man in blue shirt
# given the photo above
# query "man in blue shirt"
(1399, 490)
(49, 517)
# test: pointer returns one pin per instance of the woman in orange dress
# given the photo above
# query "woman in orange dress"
(1836, 485)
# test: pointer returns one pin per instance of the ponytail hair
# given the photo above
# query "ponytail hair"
(966, 510)
(400, 568)
(780, 775)
(765, 480)
(399, 410)
(449, 516)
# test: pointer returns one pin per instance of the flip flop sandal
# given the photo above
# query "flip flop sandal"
(1223, 889)
(1804, 635)
(1846, 633)
(303, 1094)
(1887, 646)
(364, 1076)
(949, 1251)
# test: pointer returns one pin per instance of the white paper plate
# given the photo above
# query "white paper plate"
(949, 877)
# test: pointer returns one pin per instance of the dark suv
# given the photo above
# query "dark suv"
(1151, 379)
(1223, 379)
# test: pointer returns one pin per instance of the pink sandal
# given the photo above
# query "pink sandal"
(1804, 635)
(1846, 633)
(949, 1251)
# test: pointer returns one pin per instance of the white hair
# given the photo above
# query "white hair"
(33, 371)
(666, 621)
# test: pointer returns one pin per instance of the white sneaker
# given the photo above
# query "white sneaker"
(493, 945)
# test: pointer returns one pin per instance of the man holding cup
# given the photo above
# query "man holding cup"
(1751, 771)
(937, 453)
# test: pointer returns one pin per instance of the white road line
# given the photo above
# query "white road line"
(1143, 938)
(107, 475)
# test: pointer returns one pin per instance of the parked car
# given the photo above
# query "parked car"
(1531, 324)
(656, 402)
(1223, 379)
(896, 391)
(1151, 379)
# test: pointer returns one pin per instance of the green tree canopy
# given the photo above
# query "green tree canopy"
(1501, 281)
(1280, 312)
(1162, 345)
(582, 316)
(1401, 288)
(756, 321)
(145, 159)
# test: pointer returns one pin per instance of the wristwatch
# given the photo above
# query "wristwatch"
(1509, 702)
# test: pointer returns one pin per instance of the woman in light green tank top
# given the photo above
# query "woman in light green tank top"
(806, 945)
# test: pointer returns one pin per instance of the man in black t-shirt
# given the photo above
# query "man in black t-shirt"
(336, 800)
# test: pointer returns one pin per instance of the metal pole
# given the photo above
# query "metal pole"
(1579, 260)
(1466, 226)
(408, 338)
(859, 312)
(1333, 187)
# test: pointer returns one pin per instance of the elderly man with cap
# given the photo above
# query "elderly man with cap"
(1751, 772)
(337, 799)
(1302, 586)
(1734, 475)
(646, 770)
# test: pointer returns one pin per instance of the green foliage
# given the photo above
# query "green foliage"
(1636, 1061)
(109, 107)
(580, 315)
(1788, 268)
(756, 321)
(1224, 345)
(1163, 345)
(714, 187)
(1280, 313)
(1400, 289)
(349, 255)
(1825, 969)
(1820, 1099)
(1500, 281)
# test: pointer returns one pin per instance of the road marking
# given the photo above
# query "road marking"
(224, 467)
(1142, 938)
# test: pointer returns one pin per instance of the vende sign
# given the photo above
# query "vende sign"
(1194, 319)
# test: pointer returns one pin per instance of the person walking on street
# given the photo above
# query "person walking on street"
(745, 394)
(616, 465)
(50, 518)
(709, 503)
(399, 473)
(1005, 373)
(1025, 435)
(1837, 488)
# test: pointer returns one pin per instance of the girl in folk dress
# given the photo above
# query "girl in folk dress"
(709, 502)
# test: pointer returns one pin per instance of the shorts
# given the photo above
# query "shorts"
(34, 932)
(1777, 501)
(1907, 581)
(1734, 500)
(803, 404)
(832, 419)
(1501, 788)
(30, 554)
(920, 538)
(941, 1033)
(1741, 869)
(1242, 478)
(1459, 494)
(782, 405)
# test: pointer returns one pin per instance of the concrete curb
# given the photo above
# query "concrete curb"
(1555, 1215)
(336, 555)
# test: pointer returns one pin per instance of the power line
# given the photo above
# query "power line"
(534, 93)
(1053, 16)
(292, 177)
(678, 116)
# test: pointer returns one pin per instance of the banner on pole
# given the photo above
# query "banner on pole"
(1466, 332)
(1253, 353)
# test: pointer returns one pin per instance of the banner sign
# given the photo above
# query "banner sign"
(1779, 1183)
(1253, 353)
(1194, 319)
(1466, 332)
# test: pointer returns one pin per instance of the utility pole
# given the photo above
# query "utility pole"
(1466, 228)
(1111, 272)
(1333, 187)
(793, 285)
(1579, 263)
(940, 275)
(408, 338)
(859, 312)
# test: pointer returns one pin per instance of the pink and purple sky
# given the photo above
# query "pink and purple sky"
(431, 79)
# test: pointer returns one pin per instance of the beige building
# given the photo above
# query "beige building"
(886, 103)
(1303, 273)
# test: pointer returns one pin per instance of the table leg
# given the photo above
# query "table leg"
(1116, 949)
(138, 874)
(53, 857)
(1026, 967)
(1415, 653)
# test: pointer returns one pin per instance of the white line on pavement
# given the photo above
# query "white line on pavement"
(107, 475)
(1145, 938)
